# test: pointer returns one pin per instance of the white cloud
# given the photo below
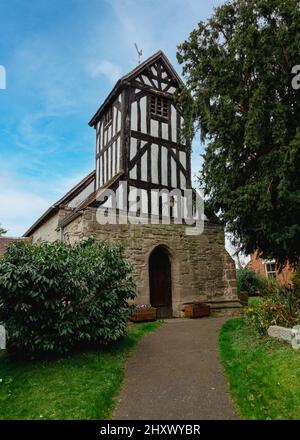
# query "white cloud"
(30, 137)
(2, 78)
(110, 70)
(19, 209)
(21, 203)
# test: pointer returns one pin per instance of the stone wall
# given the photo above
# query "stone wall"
(49, 230)
(6, 241)
(201, 267)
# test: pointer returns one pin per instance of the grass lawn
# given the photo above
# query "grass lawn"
(264, 374)
(81, 386)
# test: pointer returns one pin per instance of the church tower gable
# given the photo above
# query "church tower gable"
(138, 130)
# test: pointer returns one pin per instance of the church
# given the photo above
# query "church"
(141, 158)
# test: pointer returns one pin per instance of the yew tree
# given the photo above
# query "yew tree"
(238, 67)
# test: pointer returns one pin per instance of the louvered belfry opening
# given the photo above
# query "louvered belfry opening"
(159, 107)
(160, 282)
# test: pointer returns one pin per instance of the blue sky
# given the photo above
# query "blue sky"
(61, 60)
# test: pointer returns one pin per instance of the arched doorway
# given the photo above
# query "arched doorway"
(160, 282)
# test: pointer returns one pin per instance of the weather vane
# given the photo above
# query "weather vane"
(139, 52)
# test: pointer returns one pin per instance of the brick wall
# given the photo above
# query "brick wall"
(6, 241)
(257, 264)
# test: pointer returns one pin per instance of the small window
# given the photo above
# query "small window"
(108, 117)
(159, 107)
(271, 270)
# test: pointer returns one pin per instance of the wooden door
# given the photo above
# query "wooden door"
(160, 282)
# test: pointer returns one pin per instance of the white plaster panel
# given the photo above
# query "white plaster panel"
(144, 167)
(174, 123)
(164, 131)
(109, 163)
(133, 147)
(154, 163)
(173, 173)
(164, 166)
(154, 128)
(182, 158)
(182, 180)
(146, 80)
(133, 172)
(143, 106)
(133, 121)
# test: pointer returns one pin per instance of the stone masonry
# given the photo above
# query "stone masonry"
(202, 269)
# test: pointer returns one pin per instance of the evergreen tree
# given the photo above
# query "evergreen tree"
(238, 67)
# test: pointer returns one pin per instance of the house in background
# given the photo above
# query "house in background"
(268, 269)
(6, 241)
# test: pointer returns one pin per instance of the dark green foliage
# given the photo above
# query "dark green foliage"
(270, 286)
(280, 309)
(256, 284)
(2, 231)
(247, 281)
(238, 69)
(55, 297)
(296, 279)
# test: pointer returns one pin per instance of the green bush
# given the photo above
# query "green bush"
(55, 297)
(247, 281)
(281, 309)
(269, 286)
(296, 279)
(257, 284)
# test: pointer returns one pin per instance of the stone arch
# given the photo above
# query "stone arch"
(162, 279)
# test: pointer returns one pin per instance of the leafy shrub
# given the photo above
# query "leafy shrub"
(282, 309)
(269, 286)
(254, 301)
(247, 281)
(257, 284)
(296, 279)
(55, 297)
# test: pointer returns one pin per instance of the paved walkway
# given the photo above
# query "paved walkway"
(175, 373)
